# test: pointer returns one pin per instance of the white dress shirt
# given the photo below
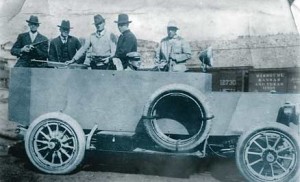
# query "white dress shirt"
(32, 36)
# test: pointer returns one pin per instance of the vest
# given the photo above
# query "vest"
(64, 53)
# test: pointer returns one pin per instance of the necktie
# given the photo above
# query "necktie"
(64, 40)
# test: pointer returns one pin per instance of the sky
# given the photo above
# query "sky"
(197, 20)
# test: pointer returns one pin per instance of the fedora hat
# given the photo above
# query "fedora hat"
(65, 24)
(172, 24)
(33, 19)
(98, 19)
(123, 18)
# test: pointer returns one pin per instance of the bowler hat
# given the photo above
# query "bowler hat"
(172, 24)
(65, 24)
(33, 19)
(98, 19)
(123, 18)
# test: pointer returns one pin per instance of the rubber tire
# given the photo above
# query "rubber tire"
(169, 143)
(242, 142)
(79, 135)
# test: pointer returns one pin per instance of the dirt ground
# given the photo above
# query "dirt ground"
(16, 167)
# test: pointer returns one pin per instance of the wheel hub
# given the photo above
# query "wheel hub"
(269, 156)
(54, 144)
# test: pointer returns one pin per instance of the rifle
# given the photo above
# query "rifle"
(99, 60)
(37, 43)
(170, 61)
(32, 45)
(61, 65)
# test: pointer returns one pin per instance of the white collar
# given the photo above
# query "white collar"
(62, 38)
(101, 33)
(175, 37)
(34, 34)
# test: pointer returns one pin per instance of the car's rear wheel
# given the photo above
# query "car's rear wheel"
(55, 143)
(269, 153)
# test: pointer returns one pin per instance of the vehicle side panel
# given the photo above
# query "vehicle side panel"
(238, 112)
(112, 99)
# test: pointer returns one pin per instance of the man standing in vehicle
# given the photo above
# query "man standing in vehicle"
(30, 45)
(102, 44)
(127, 41)
(64, 47)
(173, 51)
(134, 61)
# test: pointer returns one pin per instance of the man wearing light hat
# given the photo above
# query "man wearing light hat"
(64, 47)
(30, 45)
(173, 51)
(127, 41)
(102, 46)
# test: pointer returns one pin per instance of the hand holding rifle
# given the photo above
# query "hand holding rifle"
(106, 60)
(28, 48)
(72, 61)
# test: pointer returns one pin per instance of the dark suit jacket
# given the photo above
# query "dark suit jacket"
(55, 52)
(126, 43)
(40, 52)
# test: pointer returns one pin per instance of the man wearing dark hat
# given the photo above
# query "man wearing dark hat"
(64, 47)
(30, 45)
(102, 45)
(173, 51)
(127, 41)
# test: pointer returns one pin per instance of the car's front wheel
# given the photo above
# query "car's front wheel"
(268, 153)
(55, 143)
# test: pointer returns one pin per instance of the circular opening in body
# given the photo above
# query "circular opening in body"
(178, 115)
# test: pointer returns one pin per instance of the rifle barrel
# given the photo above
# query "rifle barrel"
(59, 64)
(37, 43)
(50, 63)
